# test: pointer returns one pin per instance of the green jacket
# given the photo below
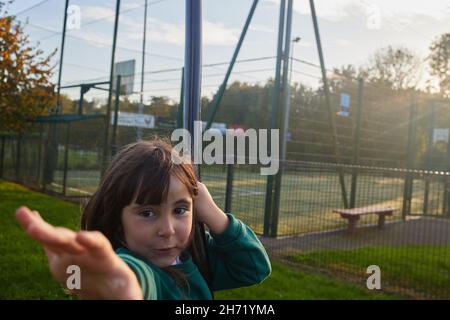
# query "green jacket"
(236, 256)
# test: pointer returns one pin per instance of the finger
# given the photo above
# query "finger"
(24, 217)
(57, 259)
(60, 239)
(94, 241)
(36, 214)
(200, 184)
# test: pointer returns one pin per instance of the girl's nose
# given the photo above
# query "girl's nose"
(166, 227)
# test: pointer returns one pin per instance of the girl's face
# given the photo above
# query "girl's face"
(160, 232)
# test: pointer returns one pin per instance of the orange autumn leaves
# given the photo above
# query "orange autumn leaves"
(25, 87)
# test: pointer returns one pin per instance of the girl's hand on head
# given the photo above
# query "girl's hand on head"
(103, 274)
(203, 202)
(207, 211)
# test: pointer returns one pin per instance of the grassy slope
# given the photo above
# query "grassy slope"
(421, 270)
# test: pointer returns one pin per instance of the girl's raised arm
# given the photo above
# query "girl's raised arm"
(103, 274)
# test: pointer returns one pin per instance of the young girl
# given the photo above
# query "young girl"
(138, 238)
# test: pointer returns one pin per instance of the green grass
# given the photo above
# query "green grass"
(79, 160)
(416, 270)
(288, 283)
(23, 264)
(25, 275)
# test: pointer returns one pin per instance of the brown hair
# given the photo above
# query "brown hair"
(149, 161)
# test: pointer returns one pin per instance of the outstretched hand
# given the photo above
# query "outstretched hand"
(103, 274)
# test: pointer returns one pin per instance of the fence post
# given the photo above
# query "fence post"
(66, 154)
(268, 210)
(229, 190)
(116, 115)
(39, 160)
(428, 157)
(284, 122)
(410, 154)
(356, 139)
(447, 184)
(180, 106)
(331, 116)
(51, 154)
(18, 157)
(2, 156)
(106, 147)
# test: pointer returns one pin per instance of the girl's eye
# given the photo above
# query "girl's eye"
(146, 213)
(180, 211)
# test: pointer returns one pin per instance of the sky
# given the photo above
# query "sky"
(351, 30)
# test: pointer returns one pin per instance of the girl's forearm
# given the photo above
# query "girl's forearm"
(216, 220)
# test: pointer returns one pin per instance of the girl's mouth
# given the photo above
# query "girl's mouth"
(165, 250)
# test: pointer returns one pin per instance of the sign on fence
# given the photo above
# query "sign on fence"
(345, 105)
(216, 126)
(128, 119)
(440, 134)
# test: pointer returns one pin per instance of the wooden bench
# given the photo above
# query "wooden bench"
(353, 215)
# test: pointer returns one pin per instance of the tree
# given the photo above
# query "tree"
(396, 68)
(245, 104)
(161, 106)
(439, 60)
(343, 77)
(25, 88)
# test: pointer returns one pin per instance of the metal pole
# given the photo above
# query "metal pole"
(284, 121)
(223, 86)
(275, 101)
(446, 206)
(192, 72)
(52, 145)
(116, 116)
(63, 40)
(410, 154)
(291, 64)
(111, 78)
(180, 106)
(431, 122)
(39, 159)
(191, 102)
(285, 83)
(18, 158)
(328, 102)
(80, 103)
(141, 103)
(2, 158)
(229, 190)
(428, 157)
(356, 139)
(66, 158)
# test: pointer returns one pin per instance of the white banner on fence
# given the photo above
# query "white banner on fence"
(440, 135)
(128, 119)
(216, 126)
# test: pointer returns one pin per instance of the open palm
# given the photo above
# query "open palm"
(103, 274)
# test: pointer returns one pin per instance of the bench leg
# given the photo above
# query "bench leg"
(352, 224)
(381, 220)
